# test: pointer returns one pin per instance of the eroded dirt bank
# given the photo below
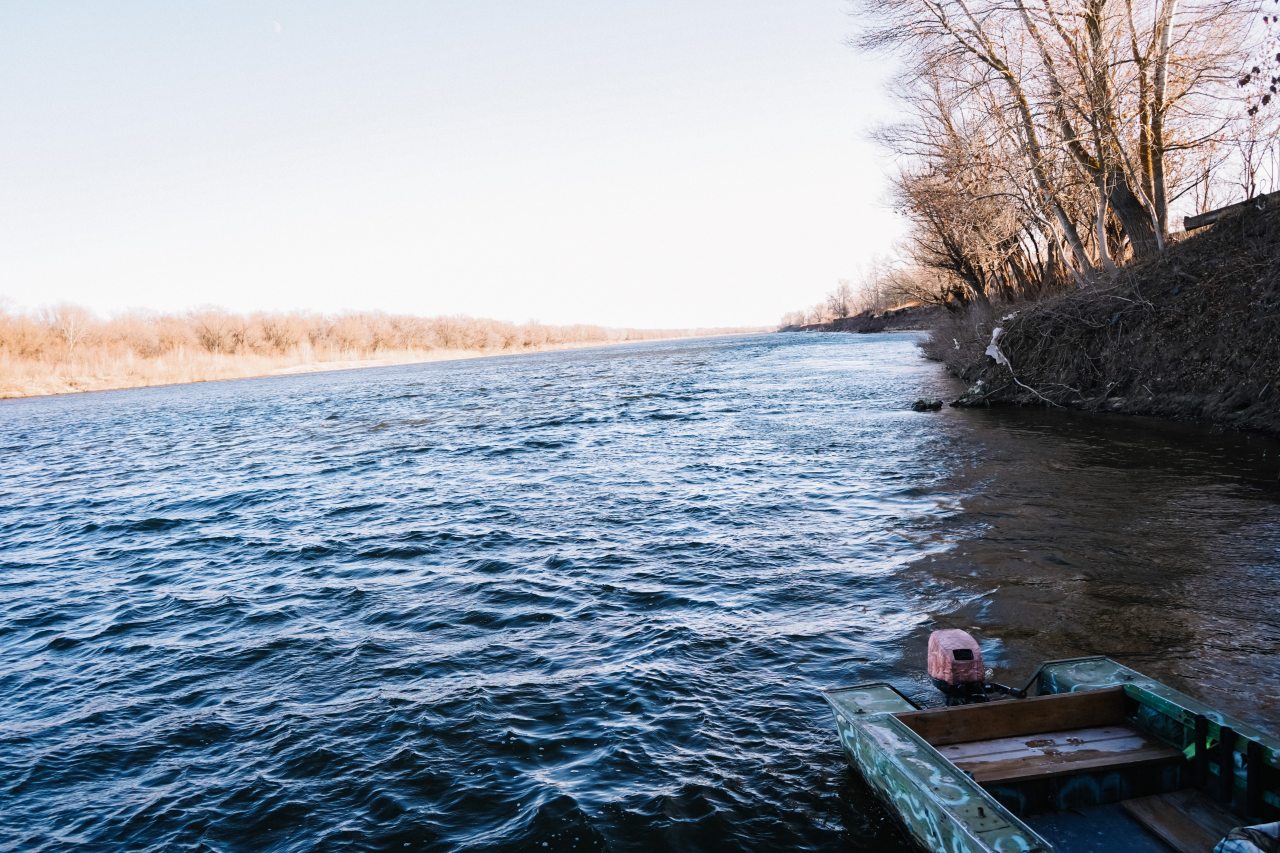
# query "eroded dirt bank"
(913, 317)
(1192, 334)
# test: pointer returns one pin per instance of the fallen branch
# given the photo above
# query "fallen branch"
(993, 350)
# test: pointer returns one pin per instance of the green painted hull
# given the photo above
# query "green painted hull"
(945, 810)
(941, 807)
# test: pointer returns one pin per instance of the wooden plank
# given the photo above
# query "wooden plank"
(1185, 820)
(1105, 738)
(1200, 220)
(1028, 768)
(1170, 825)
(1049, 754)
(991, 720)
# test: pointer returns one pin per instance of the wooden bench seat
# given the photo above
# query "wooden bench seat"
(1042, 755)
(1040, 737)
(1012, 717)
(1187, 820)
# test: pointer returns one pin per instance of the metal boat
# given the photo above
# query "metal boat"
(1090, 755)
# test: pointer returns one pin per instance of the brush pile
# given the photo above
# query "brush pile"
(1192, 333)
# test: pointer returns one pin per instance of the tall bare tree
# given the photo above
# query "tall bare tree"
(1047, 139)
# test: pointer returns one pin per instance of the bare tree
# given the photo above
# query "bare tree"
(70, 322)
(840, 302)
(1047, 139)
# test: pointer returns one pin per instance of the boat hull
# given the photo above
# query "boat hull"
(1184, 746)
(940, 806)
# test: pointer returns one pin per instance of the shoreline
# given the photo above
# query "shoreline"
(906, 318)
(90, 385)
(1189, 335)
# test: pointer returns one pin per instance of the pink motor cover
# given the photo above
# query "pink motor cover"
(943, 665)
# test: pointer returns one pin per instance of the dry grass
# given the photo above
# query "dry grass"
(66, 349)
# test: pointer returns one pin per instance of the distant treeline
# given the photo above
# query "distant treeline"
(67, 348)
(882, 287)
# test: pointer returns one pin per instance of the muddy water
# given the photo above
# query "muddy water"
(1155, 543)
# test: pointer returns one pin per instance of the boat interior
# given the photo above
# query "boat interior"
(1099, 770)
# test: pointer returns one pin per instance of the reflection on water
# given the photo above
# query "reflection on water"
(1154, 543)
(571, 600)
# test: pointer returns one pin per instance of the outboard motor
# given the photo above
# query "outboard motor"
(957, 669)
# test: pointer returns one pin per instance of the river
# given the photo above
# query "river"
(573, 600)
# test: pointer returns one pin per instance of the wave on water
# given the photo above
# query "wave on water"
(571, 601)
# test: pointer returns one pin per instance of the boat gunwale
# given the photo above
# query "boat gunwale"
(898, 727)
(827, 691)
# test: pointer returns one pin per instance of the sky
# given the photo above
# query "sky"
(664, 163)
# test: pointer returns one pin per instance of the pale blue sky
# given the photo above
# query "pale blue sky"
(702, 162)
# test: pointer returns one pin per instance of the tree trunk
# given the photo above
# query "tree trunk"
(1134, 218)
(1159, 85)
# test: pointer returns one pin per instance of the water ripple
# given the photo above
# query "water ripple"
(578, 600)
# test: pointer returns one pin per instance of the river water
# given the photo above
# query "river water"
(576, 600)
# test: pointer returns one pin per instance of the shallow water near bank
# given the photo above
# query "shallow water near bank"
(581, 599)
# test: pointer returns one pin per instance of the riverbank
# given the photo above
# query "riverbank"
(904, 318)
(35, 379)
(1193, 334)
